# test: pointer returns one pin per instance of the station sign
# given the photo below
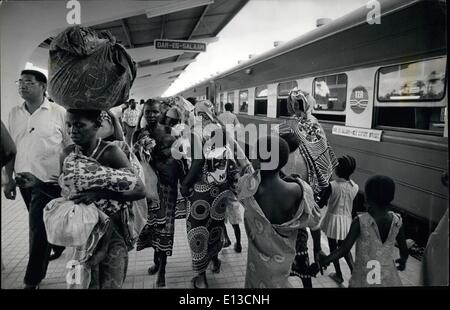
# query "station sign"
(359, 133)
(189, 46)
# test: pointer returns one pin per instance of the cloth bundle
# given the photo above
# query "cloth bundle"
(69, 224)
(89, 70)
(144, 146)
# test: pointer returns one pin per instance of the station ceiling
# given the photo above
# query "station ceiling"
(195, 20)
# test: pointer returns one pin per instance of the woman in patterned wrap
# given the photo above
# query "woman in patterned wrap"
(207, 186)
(153, 145)
(318, 161)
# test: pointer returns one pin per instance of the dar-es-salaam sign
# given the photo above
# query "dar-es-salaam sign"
(189, 46)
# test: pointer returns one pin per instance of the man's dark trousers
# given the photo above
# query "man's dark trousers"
(39, 248)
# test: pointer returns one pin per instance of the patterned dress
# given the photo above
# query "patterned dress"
(207, 206)
(105, 256)
(369, 248)
(271, 247)
(160, 229)
(315, 150)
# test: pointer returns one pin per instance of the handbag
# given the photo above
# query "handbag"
(151, 182)
(135, 219)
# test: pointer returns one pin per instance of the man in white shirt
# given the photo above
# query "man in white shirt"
(118, 110)
(38, 129)
(228, 118)
(130, 120)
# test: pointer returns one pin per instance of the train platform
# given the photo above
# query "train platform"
(14, 233)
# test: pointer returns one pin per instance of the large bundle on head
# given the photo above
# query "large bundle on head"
(89, 70)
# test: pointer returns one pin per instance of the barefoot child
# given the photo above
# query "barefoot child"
(375, 233)
(336, 222)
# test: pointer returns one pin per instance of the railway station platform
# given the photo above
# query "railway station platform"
(14, 233)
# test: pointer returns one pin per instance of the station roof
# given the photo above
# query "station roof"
(195, 20)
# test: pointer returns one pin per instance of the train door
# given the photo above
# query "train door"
(243, 101)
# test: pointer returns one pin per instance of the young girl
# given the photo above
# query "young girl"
(336, 222)
(375, 233)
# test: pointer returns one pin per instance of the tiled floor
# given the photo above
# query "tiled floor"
(14, 234)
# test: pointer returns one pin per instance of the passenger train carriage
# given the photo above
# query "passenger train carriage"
(381, 97)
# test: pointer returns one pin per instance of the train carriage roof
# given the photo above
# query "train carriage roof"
(405, 31)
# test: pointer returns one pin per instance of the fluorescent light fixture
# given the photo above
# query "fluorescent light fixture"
(175, 6)
(404, 97)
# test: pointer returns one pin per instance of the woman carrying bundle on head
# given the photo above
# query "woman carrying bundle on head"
(89, 72)
(98, 182)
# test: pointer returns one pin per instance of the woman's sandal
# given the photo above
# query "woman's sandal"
(336, 278)
(153, 270)
(194, 283)
(216, 266)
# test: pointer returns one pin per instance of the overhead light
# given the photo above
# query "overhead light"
(277, 43)
(175, 6)
(322, 21)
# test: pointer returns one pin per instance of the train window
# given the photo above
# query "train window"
(283, 92)
(261, 100)
(417, 81)
(243, 101)
(330, 92)
(230, 97)
(410, 96)
(430, 119)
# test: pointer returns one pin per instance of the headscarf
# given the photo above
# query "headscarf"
(205, 116)
(174, 113)
(318, 154)
(118, 132)
(186, 109)
(301, 101)
(206, 110)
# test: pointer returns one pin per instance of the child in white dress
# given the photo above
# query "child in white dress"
(336, 222)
